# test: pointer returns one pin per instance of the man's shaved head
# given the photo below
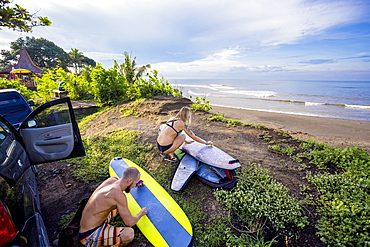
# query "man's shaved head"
(131, 172)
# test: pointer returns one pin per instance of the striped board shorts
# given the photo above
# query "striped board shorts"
(104, 235)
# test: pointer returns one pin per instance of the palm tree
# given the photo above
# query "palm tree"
(76, 59)
(129, 69)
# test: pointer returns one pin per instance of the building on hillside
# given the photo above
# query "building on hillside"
(25, 69)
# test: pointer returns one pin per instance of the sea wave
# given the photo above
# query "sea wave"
(220, 87)
(207, 86)
(260, 94)
(363, 107)
(313, 103)
(191, 92)
(190, 85)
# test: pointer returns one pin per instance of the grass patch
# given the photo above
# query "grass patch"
(221, 118)
(230, 122)
(101, 149)
(83, 119)
(131, 108)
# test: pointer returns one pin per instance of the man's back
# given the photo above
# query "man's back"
(100, 204)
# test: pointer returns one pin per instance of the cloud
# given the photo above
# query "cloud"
(199, 24)
(318, 61)
(102, 56)
(360, 56)
(209, 37)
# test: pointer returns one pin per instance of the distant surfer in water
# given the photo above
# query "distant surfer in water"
(106, 201)
(171, 136)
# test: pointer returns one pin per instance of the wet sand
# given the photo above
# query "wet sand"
(333, 131)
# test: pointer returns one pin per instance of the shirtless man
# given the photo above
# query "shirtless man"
(103, 205)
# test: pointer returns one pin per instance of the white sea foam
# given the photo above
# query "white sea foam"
(191, 92)
(313, 103)
(220, 87)
(190, 85)
(208, 86)
(364, 107)
(259, 94)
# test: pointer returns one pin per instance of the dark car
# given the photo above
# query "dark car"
(49, 133)
(14, 107)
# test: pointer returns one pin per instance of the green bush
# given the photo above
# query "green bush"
(108, 86)
(46, 84)
(151, 87)
(344, 209)
(344, 197)
(7, 84)
(258, 197)
(200, 104)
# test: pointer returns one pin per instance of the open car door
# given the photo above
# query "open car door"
(51, 133)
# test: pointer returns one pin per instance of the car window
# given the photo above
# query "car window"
(54, 115)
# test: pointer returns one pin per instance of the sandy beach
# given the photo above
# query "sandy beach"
(333, 131)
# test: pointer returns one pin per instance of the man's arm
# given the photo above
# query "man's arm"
(127, 217)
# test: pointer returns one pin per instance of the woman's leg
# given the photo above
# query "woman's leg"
(179, 140)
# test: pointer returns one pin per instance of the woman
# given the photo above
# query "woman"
(171, 137)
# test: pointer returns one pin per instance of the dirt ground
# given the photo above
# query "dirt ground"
(60, 192)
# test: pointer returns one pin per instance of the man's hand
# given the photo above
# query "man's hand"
(143, 212)
(140, 183)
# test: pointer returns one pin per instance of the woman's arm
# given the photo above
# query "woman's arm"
(191, 134)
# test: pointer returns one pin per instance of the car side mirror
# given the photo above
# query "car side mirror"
(31, 124)
(31, 103)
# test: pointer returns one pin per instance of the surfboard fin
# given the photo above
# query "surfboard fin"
(233, 161)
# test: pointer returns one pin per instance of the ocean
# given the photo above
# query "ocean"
(334, 99)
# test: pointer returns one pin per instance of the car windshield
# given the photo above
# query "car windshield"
(11, 102)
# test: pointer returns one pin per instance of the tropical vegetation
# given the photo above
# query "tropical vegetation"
(18, 18)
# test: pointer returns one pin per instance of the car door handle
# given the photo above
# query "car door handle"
(57, 140)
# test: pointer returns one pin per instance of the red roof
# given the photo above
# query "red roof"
(24, 62)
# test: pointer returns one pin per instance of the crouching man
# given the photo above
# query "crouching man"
(104, 203)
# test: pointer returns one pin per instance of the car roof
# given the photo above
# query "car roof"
(8, 90)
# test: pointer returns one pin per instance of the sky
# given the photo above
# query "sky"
(214, 39)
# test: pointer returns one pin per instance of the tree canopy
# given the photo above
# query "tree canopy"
(44, 54)
(18, 18)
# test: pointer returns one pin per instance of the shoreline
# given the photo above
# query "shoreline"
(333, 131)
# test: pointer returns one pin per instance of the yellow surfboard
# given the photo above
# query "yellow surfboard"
(166, 224)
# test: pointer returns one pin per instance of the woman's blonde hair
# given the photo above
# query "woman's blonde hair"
(185, 115)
